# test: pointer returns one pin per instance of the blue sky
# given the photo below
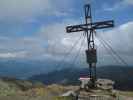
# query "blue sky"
(35, 29)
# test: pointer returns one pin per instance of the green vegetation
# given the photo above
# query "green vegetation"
(7, 89)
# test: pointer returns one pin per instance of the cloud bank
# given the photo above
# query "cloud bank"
(50, 40)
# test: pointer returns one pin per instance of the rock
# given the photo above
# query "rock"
(69, 93)
(105, 84)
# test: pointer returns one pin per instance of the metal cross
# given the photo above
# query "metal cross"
(89, 28)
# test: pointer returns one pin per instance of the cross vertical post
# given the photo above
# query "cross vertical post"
(89, 28)
(91, 51)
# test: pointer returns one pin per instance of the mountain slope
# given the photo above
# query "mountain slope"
(14, 89)
(121, 75)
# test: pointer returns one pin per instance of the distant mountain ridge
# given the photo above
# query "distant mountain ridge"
(123, 76)
(26, 68)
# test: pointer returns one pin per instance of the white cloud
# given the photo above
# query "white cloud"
(66, 41)
(53, 42)
(87, 1)
(23, 47)
(27, 9)
(121, 38)
(58, 40)
(56, 31)
(107, 7)
(6, 55)
(21, 54)
(117, 5)
(130, 2)
(22, 8)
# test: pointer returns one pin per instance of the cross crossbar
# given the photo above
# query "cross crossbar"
(90, 26)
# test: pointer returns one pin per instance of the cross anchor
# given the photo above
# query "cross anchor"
(89, 28)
